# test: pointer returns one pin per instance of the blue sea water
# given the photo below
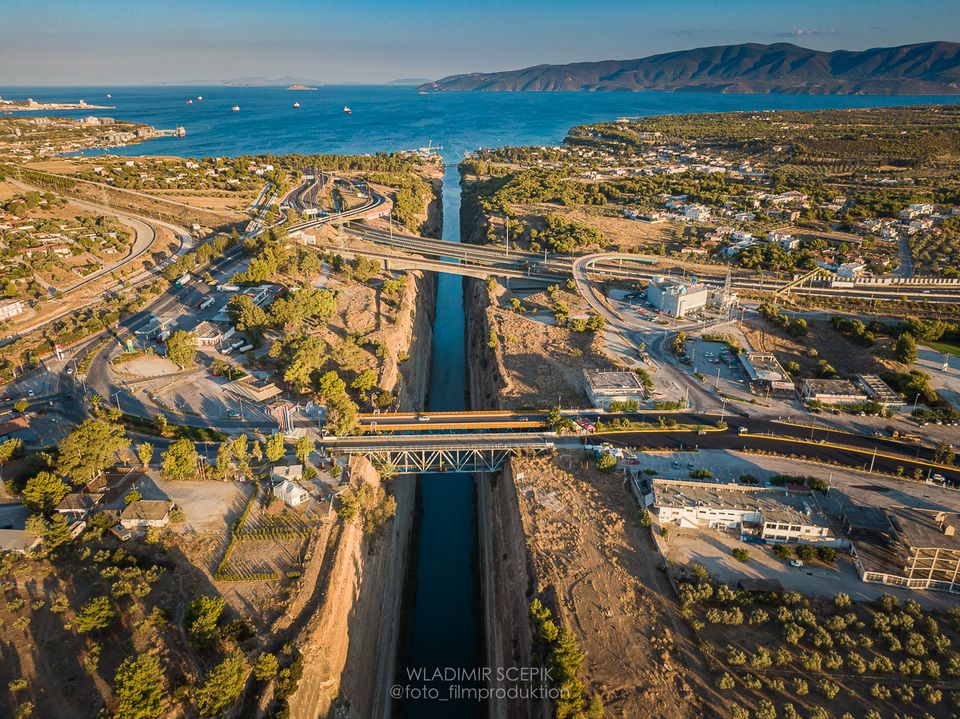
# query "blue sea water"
(446, 629)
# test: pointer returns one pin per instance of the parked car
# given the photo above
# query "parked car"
(796, 563)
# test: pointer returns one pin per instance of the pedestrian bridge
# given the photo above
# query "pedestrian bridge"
(413, 454)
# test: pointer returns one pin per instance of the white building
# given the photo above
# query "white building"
(771, 513)
(291, 493)
(144, 513)
(11, 309)
(851, 269)
(786, 241)
(676, 298)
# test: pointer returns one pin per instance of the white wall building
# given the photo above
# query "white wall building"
(676, 298)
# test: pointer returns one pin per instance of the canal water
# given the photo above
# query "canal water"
(445, 629)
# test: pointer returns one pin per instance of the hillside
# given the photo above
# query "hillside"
(923, 69)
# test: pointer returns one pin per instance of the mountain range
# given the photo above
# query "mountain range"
(931, 68)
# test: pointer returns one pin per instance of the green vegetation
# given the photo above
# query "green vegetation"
(559, 649)
(182, 348)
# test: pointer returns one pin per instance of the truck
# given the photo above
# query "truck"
(206, 303)
(245, 347)
(228, 288)
(183, 279)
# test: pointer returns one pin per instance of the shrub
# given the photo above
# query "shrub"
(741, 554)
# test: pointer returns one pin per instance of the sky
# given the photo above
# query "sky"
(96, 42)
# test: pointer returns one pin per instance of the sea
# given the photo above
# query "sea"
(443, 622)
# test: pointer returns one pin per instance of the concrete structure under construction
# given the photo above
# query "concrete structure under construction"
(604, 387)
(915, 548)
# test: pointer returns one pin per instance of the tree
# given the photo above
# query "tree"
(944, 453)
(132, 496)
(256, 451)
(265, 667)
(274, 447)
(222, 686)
(180, 460)
(332, 387)
(90, 449)
(202, 617)
(161, 422)
(304, 448)
(21, 405)
(96, 614)
(905, 348)
(224, 463)
(10, 449)
(145, 453)
(138, 688)
(182, 348)
(364, 382)
(44, 492)
(606, 462)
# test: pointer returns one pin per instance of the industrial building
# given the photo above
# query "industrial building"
(774, 514)
(765, 373)
(913, 548)
(831, 391)
(604, 387)
(879, 391)
(675, 297)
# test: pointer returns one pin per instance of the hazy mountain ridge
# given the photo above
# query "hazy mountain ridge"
(921, 69)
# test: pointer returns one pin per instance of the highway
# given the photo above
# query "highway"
(638, 267)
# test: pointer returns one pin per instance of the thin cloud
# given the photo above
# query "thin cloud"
(811, 32)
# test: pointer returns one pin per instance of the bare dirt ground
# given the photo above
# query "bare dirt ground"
(539, 363)
(596, 566)
(617, 230)
(845, 355)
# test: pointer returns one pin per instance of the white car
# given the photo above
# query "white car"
(796, 563)
(423, 418)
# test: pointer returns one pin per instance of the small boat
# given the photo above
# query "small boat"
(199, 98)
(347, 110)
(180, 131)
(109, 96)
(235, 108)
(296, 105)
(189, 102)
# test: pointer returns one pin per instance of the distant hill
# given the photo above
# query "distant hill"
(923, 69)
(265, 82)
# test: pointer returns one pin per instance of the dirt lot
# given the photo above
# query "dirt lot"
(595, 565)
(540, 363)
(618, 232)
(845, 355)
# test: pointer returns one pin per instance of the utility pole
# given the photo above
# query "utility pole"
(506, 224)
(873, 458)
(717, 386)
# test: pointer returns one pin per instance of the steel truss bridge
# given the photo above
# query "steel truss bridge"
(413, 454)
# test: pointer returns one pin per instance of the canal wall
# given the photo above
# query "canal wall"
(505, 567)
(350, 643)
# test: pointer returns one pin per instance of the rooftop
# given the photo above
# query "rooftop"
(927, 529)
(147, 509)
(610, 380)
(831, 386)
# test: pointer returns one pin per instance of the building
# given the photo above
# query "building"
(765, 373)
(604, 387)
(290, 472)
(676, 298)
(879, 391)
(209, 334)
(11, 309)
(774, 514)
(144, 513)
(920, 549)
(785, 240)
(254, 388)
(18, 540)
(831, 391)
(291, 493)
(851, 270)
(77, 505)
